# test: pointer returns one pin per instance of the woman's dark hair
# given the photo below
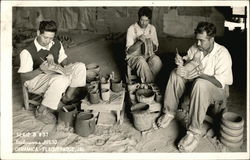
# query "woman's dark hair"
(145, 11)
(47, 26)
(206, 26)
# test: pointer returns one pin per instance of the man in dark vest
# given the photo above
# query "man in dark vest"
(44, 69)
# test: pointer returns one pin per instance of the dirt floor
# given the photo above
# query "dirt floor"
(30, 135)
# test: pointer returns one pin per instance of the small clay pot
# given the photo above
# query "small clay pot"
(105, 85)
(67, 115)
(94, 97)
(105, 93)
(116, 85)
(85, 124)
(145, 95)
(232, 120)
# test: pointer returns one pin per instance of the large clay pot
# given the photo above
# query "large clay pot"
(142, 117)
(231, 132)
(85, 124)
(116, 85)
(233, 139)
(67, 115)
(232, 120)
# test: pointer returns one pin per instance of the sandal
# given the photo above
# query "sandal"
(164, 120)
(189, 142)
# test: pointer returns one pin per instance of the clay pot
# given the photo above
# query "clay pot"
(142, 117)
(231, 144)
(233, 139)
(116, 85)
(85, 124)
(105, 93)
(67, 115)
(93, 67)
(145, 95)
(231, 132)
(105, 85)
(91, 75)
(133, 86)
(94, 97)
(232, 120)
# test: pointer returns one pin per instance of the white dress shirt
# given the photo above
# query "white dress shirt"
(217, 63)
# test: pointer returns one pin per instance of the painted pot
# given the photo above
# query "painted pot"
(94, 97)
(105, 93)
(141, 117)
(232, 120)
(116, 85)
(85, 124)
(67, 115)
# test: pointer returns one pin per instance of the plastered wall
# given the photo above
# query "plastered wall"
(169, 21)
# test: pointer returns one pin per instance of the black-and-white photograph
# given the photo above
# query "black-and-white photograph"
(125, 77)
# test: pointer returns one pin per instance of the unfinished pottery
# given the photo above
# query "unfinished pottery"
(94, 97)
(142, 117)
(116, 85)
(145, 95)
(105, 93)
(231, 144)
(85, 124)
(231, 132)
(232, 120)
(67, 114)
(233, 139)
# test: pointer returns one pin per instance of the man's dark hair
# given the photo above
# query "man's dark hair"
(206, 26)
(49, 26)
(145, 11)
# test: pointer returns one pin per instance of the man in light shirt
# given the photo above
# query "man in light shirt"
(208, 80)
(146, 67)
(44, 69)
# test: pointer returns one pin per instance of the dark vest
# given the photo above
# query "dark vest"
(42, 54)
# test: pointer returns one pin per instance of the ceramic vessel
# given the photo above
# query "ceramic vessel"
(67, 115)
(145, 95)
(232, 120)
(105, 93)
(116, 85)
(231, 132)
(232, 139)
(94, 97)
(85, 124)
(142, 118)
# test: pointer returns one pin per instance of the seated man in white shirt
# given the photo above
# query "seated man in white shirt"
(208, 83)
(44, 69)
(139, 35)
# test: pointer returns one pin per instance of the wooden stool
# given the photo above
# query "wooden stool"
(30, 98)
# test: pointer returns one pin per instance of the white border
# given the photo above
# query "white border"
(6, 83)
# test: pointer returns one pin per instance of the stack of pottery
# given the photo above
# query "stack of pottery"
(231, 129)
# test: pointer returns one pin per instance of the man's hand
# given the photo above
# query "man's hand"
(51, 68)
(178, 60)
(142, 38)
(181, 71)
(196, 72)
